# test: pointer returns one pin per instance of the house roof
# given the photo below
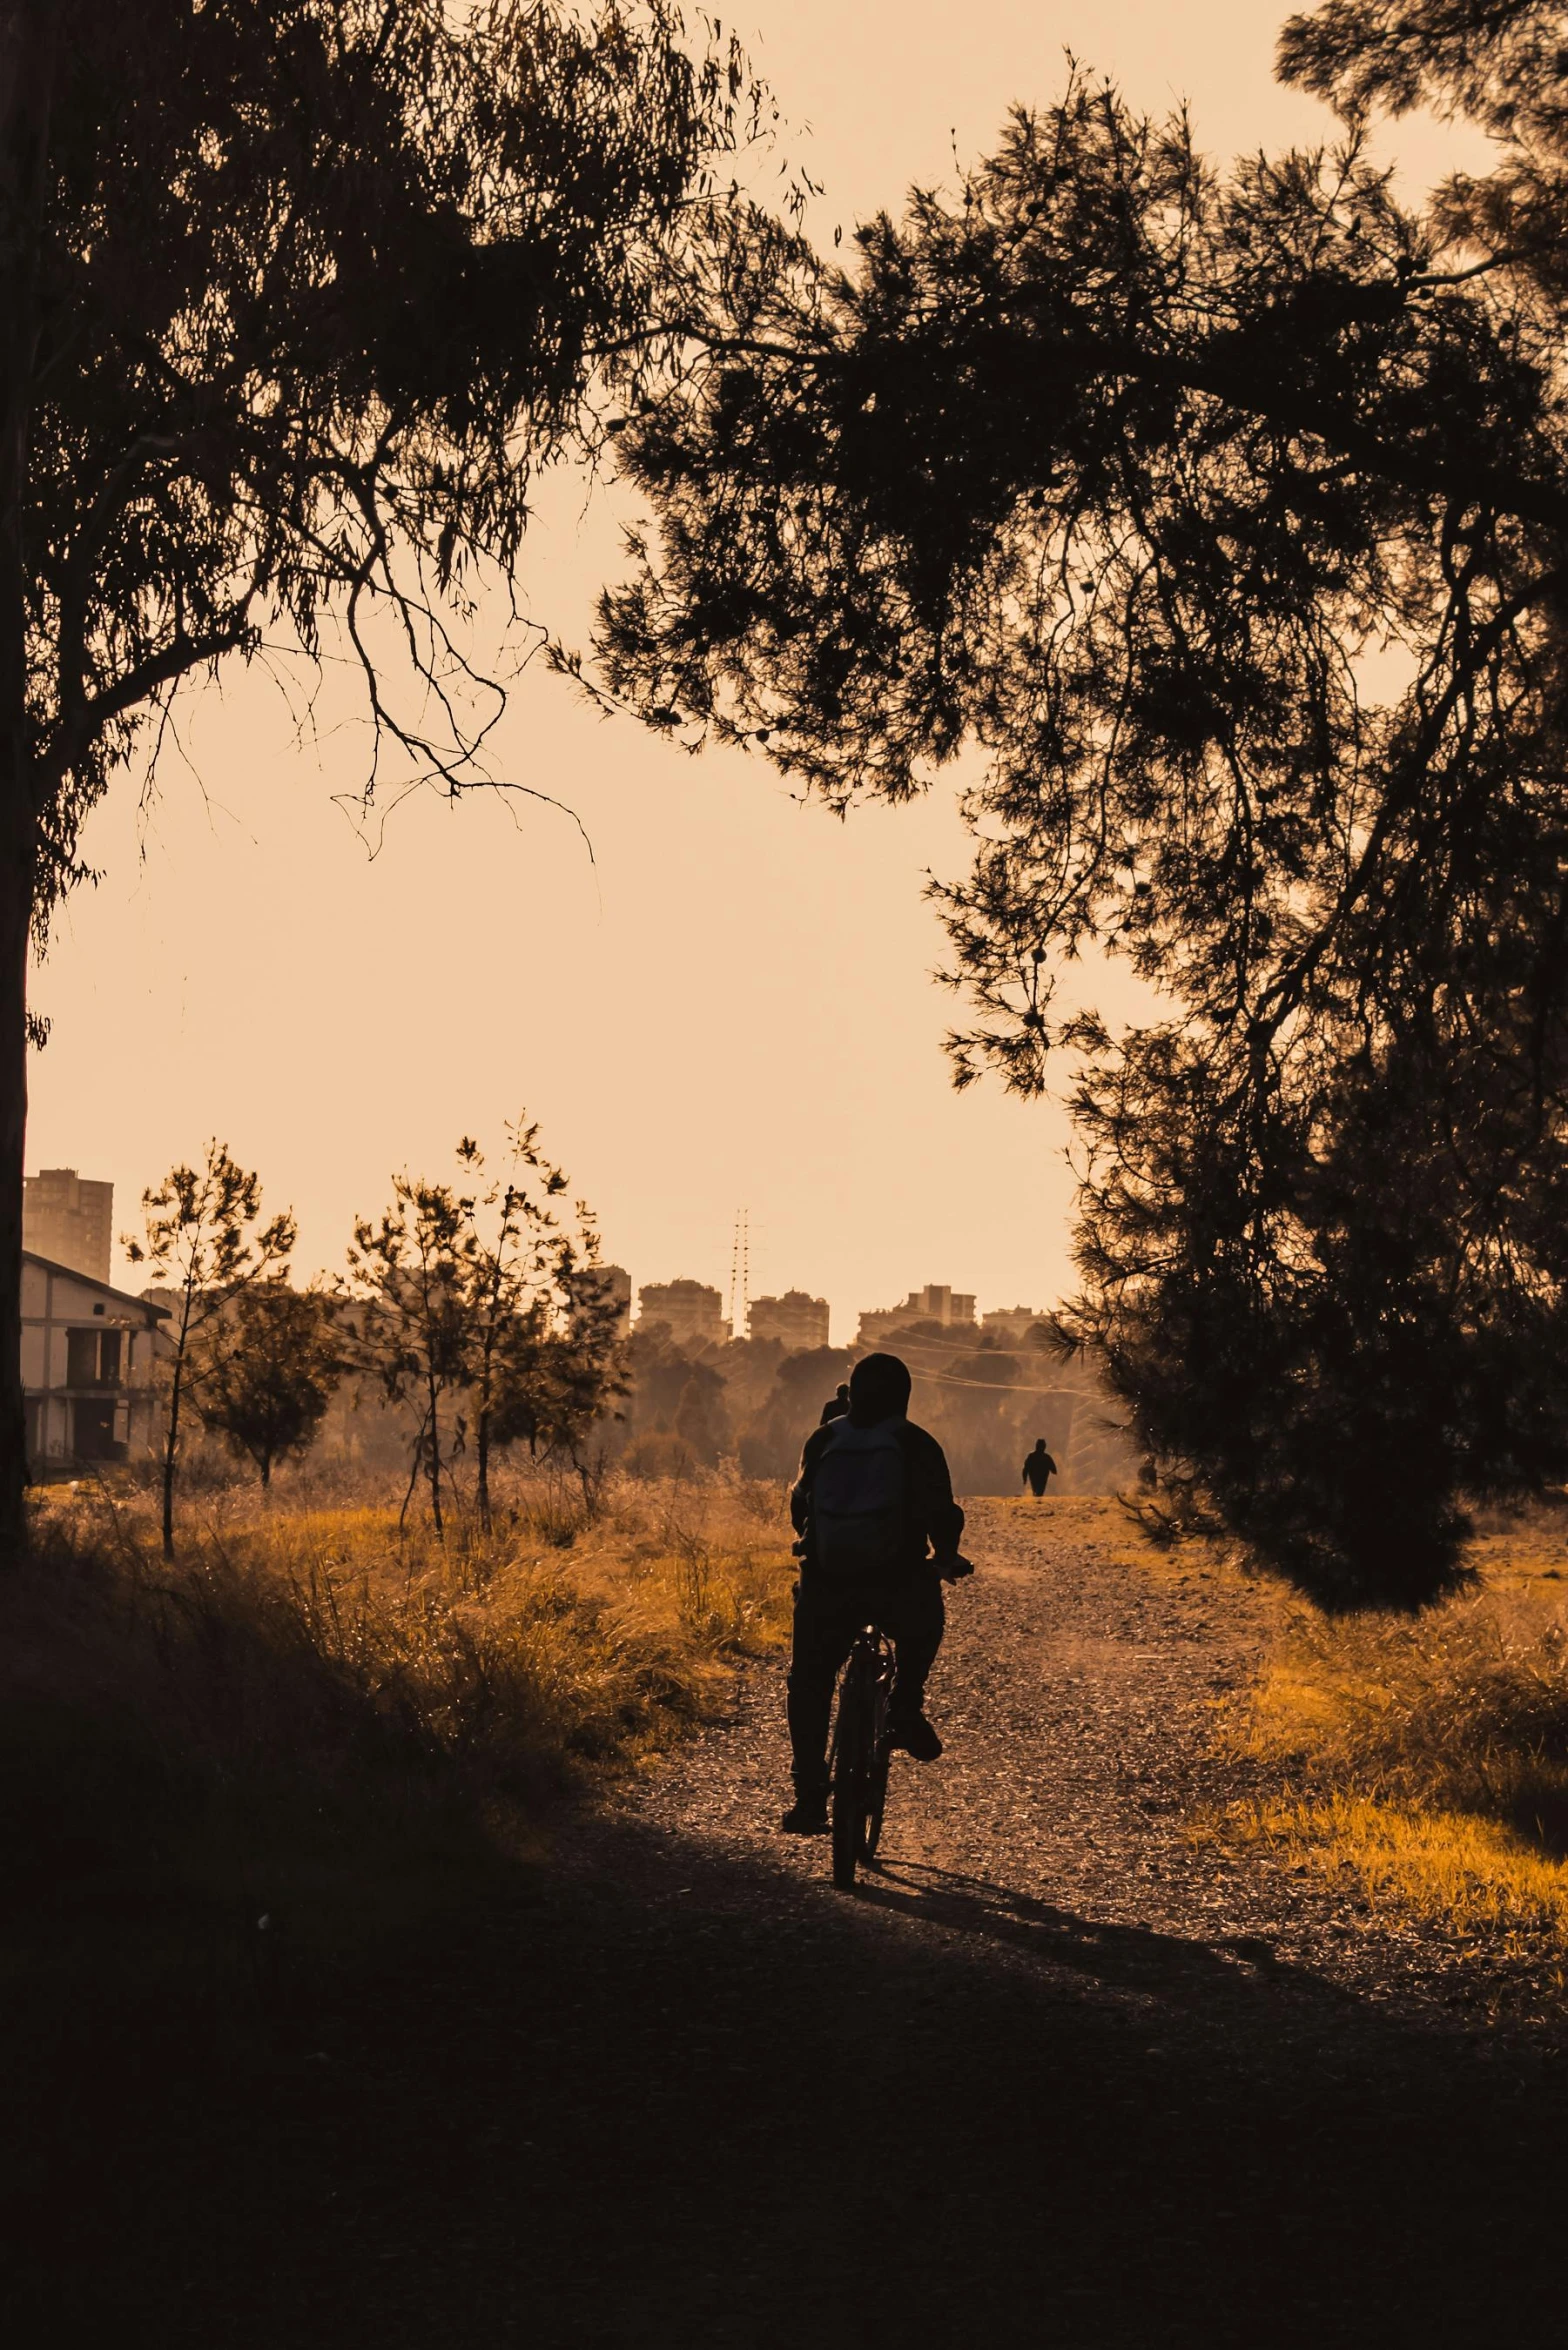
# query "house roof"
(121, 1297)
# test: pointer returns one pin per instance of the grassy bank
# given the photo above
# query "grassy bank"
(315, 1720)
(1429, 1754)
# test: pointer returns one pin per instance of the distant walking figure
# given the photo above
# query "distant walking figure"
(1039, 1468)
(837, 1406)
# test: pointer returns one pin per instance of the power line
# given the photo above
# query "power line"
(997, 1387)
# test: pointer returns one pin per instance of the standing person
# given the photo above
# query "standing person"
(1039, 1468)
(878, 1533)
(837, 1406)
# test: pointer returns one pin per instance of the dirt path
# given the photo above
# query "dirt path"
(1055, 2077)
(1078, 1690)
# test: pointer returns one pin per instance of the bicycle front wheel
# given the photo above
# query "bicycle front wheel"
(876, 1800)
(852, 1779)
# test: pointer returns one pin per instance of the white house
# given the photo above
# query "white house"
(87, 1367)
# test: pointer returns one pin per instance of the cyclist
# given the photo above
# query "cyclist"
(1039, 1468)
(878, 1532)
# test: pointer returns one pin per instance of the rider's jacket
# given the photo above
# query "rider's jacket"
(933, 1522)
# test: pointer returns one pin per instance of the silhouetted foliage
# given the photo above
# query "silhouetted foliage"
(545, 1359)
(300, 294)
(266, 1371)
(771, 1439)
(409, 1321)
(200, 1239)
(1225, 514)
(487, 1308)
(702, 1421)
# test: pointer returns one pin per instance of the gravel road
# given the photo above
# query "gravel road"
(1055, 2075)
(1080, 1688)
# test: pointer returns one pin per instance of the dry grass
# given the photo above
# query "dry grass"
(316, 1717)
(1430, 1753)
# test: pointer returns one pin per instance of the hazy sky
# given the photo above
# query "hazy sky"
(732, 1006)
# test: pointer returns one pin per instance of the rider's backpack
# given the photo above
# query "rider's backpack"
(860, 1502)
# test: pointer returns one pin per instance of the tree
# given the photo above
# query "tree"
(770, 1441)
(490, 1300)
(544, 1356)
(201, 1242)
(407, 1276)
(266, 1372)
(298, 295)
(702, 1421)
(562, 1365)
(1224, 515)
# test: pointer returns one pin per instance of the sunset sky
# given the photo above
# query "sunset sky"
(730, 1004)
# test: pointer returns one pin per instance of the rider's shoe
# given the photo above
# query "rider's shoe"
(913, 1734)
(807, 1816)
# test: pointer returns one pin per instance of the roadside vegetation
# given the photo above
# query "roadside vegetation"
(1429, 1752)
(313, 1719)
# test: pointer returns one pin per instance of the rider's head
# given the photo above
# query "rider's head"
(878, 1390)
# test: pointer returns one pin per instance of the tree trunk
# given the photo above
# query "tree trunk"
(16, 905)
(482, 1476)
(435, 1461)
(170, 1443)
(27, 42)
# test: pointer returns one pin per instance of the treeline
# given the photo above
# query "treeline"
(474, 1319)
(476, 1309)
(754, 1402)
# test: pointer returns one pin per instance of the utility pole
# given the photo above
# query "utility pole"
(740, 1273)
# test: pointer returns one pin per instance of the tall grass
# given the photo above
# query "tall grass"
(1430, 1752)
(311, 1713)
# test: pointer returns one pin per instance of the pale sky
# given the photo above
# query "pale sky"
(732, 1007)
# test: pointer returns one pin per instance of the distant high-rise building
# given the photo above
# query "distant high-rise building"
(796, 1320)
(690, 1310)
(1010, 1323)
(69, 1220)
(953, 1308)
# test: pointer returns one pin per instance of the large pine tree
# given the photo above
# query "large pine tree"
(1226, 515)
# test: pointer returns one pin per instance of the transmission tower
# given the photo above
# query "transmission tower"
(740, 1274)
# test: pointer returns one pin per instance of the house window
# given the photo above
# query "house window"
(92, 1358)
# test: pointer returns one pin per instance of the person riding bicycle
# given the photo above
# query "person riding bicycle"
(878, 1532)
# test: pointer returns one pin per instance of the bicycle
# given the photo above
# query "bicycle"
(859, 1754)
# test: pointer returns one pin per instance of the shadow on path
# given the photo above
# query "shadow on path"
(1130, 1957)
(667, 2095)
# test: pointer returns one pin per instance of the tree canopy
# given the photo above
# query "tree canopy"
(321, 284)
(1223, 514)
